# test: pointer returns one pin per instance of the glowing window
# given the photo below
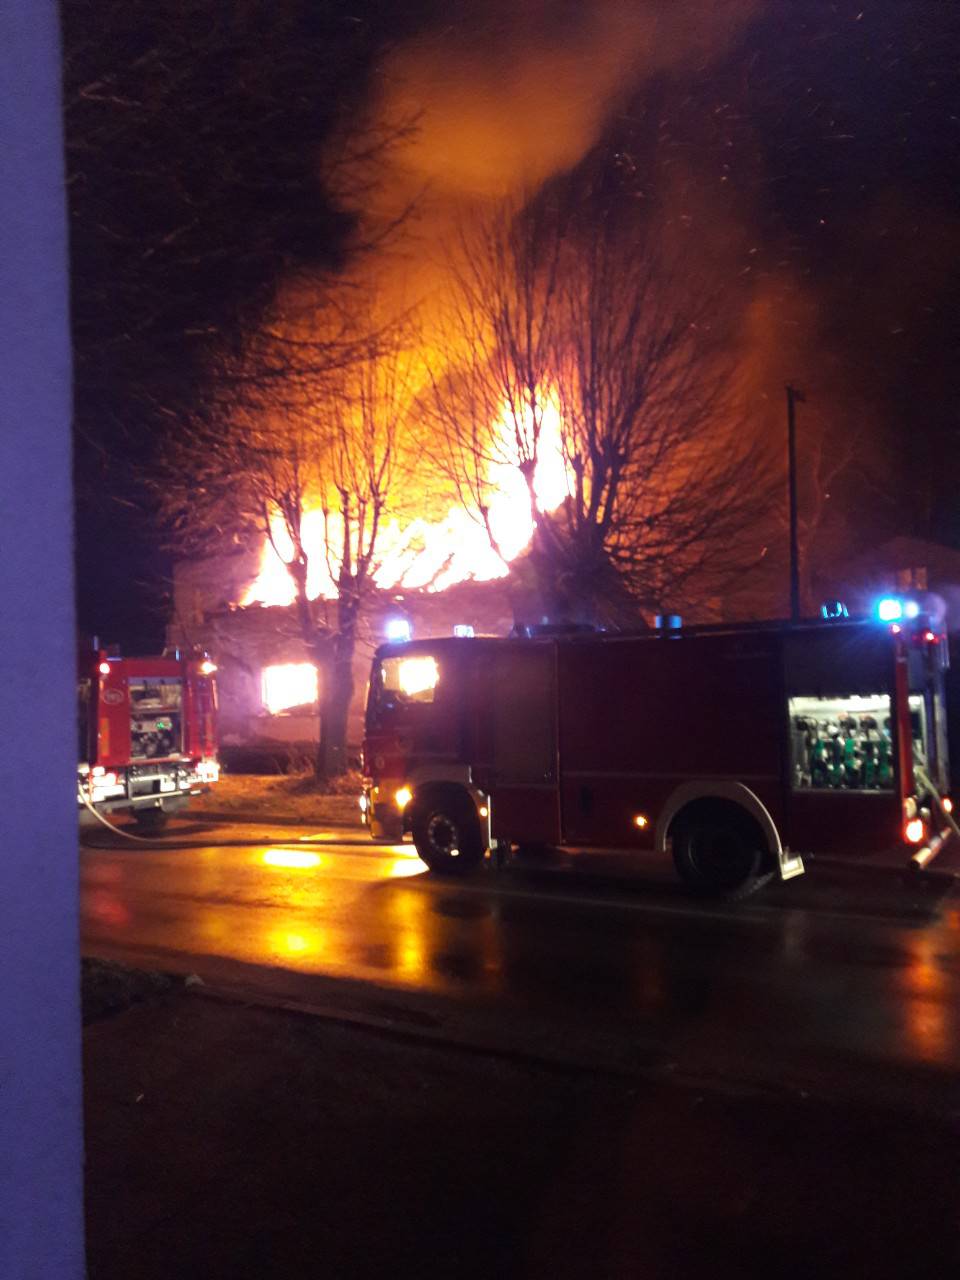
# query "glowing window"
(412, 679)
(289, 684)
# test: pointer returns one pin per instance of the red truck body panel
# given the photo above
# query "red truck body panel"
(588, 741)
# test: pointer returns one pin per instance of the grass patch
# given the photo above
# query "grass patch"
(287, 797)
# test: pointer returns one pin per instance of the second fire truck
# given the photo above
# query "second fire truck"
(147, 734)
(735, 750)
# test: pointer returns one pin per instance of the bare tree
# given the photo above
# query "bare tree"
(487, 408)
(309, 462)
(608, 322)
(186, 210)
(844, 478)
(215, 154)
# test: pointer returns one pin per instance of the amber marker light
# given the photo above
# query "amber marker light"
(913, 830)
(946, 804)
(403, 797)
(641, 820)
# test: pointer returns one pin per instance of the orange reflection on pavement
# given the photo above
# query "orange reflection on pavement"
(295, 942)
(108, 908)
(213, 926)
(927, 1010)
(292, 859)
(409, 866)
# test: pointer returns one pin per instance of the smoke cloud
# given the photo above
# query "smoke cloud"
(509, 94)
(503, 96)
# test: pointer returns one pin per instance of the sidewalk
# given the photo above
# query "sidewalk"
(225, 1140)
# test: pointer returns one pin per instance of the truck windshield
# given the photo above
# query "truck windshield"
(403, 681)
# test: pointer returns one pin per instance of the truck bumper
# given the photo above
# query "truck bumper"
(924, 856)
(382, 819)
(172, 803)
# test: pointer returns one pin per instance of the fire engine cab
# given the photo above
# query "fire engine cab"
(735, 749)
(147, 734)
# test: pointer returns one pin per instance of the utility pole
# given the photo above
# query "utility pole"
(793, 396)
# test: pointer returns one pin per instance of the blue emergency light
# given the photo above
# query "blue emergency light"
(889, 609)
(895, 608)
(398, 630)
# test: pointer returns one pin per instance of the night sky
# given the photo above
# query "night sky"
(824, 138)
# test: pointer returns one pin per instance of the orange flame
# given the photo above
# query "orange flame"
(432, 554)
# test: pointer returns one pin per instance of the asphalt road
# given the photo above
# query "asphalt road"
(837, 983)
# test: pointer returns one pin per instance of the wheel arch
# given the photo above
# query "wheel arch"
(429, 778)
(717, 789)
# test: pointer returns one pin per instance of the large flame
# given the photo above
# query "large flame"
(432, 554)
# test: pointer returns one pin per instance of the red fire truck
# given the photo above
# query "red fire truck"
(736, 749)
(147, 734)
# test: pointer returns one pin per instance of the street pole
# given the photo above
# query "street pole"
(793, 396)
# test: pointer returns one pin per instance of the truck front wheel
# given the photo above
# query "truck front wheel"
(720, 854)
(447, 834)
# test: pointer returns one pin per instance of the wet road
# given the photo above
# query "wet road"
(835, 981)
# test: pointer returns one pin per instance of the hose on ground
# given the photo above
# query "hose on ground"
(109, 825)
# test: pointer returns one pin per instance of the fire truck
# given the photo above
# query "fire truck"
(734, 749)
(147, 731)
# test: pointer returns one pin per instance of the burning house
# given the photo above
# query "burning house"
(267, 683)
(430, 577)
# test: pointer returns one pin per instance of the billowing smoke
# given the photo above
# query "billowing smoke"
(497, 98)
(509, 94)
(502, 96)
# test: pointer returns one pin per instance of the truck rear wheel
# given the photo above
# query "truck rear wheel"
(718, 853)
(447, 834)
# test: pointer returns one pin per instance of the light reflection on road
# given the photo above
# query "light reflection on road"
(291, 859)
(928, 1013)
(373, 913)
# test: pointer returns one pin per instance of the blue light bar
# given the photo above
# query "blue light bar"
(463, 629)
(398, 629)
(834, 609)
(889, 609)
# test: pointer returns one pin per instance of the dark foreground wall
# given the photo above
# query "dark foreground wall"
(40, 1125)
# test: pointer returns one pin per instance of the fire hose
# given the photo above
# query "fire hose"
(109, 825)
(923, 857)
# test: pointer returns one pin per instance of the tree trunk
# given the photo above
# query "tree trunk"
(336, 694)
(334, 709)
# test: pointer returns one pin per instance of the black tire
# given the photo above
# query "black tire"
(150, 821)
(718, 854)
(447, 834)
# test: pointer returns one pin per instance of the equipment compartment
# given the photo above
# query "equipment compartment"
(156, 717)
